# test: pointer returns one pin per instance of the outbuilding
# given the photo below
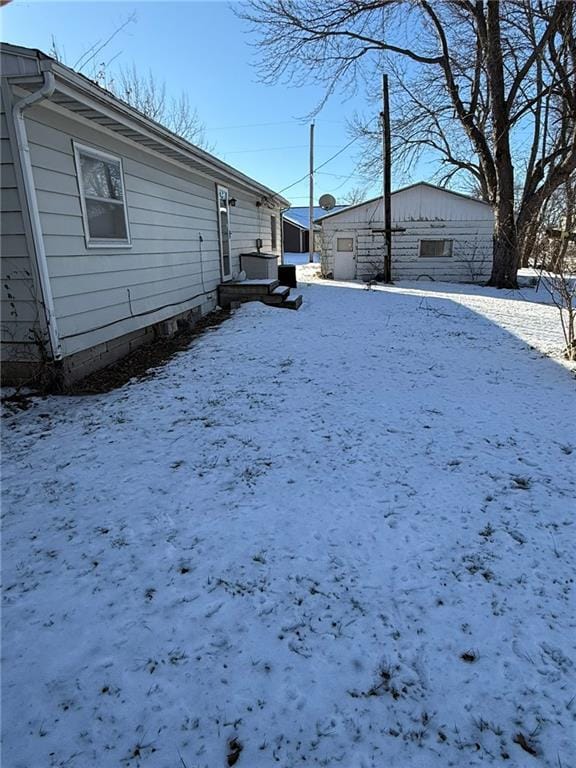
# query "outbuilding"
(113, 228)
(296, 226)
(437, 234)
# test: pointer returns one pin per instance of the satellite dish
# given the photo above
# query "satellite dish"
(327, 202)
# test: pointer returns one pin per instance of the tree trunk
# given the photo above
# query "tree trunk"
(528, 223)
(527, 234)
(506, 255)
(505, 264)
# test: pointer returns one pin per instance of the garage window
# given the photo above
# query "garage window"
(101, 184)
(344, 244)
(435, 249)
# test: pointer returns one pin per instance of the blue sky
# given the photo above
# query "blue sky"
(202, 48)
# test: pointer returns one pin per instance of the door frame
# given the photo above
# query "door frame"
(223, 275)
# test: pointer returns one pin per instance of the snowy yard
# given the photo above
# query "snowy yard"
(342, 536)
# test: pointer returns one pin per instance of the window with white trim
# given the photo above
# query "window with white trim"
(435, 249)
(101, 184)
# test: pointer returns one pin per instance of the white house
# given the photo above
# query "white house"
(112, 226)
(437, 234)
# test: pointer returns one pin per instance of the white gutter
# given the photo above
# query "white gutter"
(32, 203)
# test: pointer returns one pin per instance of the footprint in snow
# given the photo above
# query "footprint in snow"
(213, 609)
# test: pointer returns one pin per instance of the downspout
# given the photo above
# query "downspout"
(44, 92)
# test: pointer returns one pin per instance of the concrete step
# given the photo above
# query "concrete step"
(292, 302)
(249, 286)
(277, 296)
(272, 301)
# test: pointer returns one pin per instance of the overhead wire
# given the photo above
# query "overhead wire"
(280, 122)
(333, 157)
(306, 175)
(272, 149)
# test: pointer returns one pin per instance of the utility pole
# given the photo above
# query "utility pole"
(311, 222)
(386, 180)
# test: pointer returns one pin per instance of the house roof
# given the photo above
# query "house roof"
(25, 68)
(300, 215)
(404, 189)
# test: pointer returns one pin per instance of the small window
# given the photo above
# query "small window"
(345, 244)
(101, 184)
(274, 238)
(435, 249)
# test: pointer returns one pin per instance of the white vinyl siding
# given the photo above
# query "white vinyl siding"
(174, 262)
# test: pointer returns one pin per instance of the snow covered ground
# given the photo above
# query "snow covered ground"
(342, 536)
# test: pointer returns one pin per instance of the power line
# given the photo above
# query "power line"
(341, 175)
(294, 184)
(346, 180)
(335, 155)
(344, 148)
(273, 149)
(280, 122)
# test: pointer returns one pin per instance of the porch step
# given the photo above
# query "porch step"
(250, 286)
(282, 301)
(277, 296)
(293, 302)
(268, 292)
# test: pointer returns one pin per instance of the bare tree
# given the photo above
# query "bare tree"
(149, 96)
(556, 244)
(324, 247)
(355, 195)
(488, 86)
(561, 285)
(558, 218)
(141, 91)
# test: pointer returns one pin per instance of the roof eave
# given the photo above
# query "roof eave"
(404, 189)
(296, 223)
(83, 85)
(84, 89)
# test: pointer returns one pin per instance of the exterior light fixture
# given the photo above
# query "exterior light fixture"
(232, 202)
